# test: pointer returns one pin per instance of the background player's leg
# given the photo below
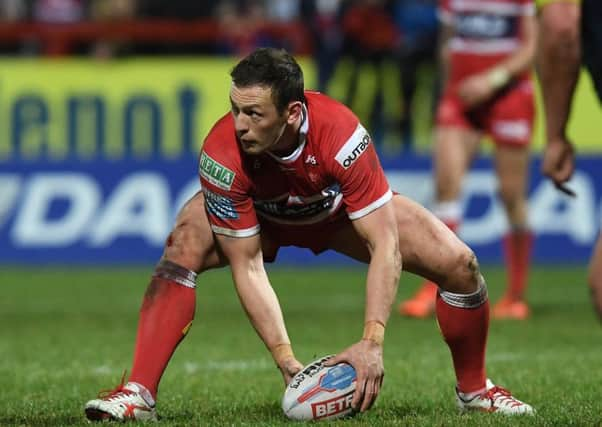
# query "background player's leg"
(454, 150)
(512, 167)
(595, 277)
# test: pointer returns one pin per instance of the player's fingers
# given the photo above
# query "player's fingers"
(358, 394)
(337, 358)
(564, 171)
(369, 395)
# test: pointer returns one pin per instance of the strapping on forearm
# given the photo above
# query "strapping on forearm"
(282, 352)
(374, 331)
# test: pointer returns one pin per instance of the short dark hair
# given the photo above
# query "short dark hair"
(274, 68)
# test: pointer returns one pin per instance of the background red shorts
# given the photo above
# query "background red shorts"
(507, 118)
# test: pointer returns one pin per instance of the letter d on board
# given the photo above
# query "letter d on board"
(33, 227)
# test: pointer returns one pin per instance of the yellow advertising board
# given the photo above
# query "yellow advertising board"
(148, 106)
(91, 108)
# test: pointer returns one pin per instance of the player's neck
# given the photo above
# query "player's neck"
(289, 140)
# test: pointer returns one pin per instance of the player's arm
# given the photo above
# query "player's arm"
(558, 66)
(521, 59)
(259, 299)
(378, 229)
(481, 87)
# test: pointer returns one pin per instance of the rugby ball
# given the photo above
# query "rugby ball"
(320, 392)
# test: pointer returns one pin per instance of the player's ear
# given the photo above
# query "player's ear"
(295, 110)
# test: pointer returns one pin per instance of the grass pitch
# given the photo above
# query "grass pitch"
(67, 333)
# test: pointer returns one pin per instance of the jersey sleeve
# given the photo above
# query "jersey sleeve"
(229, 206)
(357, 169)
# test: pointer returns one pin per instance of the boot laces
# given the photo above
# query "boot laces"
(501, 397)
(117, 392)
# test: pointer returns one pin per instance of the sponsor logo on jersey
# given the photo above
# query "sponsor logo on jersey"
(294, 207)
(486, 26)
(353, 148)
(216, 173)
(219, 206)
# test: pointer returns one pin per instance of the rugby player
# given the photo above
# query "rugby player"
(291, 167)
(487, 51)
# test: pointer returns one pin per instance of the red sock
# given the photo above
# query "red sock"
(165, 317)
(465, 332)
(517, 253)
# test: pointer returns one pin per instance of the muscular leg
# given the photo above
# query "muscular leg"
(454, 150)
(512, 164)
(431, 249)
(169, 303)
(595, 277)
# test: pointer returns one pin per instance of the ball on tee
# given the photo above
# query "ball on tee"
(320, 392)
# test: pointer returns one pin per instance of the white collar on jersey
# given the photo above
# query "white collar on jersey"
(303, 129)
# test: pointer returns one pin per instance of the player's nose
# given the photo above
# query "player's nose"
(241, 125)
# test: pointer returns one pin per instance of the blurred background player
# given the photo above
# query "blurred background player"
(487, 48)
(570, 34)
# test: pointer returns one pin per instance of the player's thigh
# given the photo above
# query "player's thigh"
(454, 150)
(430, 249)
(191, 242)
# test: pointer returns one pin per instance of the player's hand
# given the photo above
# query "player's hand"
(558, 163)
(475, 90)
(289, 368)
(366, 357)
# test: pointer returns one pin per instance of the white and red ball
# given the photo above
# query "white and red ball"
(320, 392)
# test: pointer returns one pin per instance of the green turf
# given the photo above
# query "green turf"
(66, 333)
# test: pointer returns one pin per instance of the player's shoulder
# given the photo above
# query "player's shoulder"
(220, 142)
(330, 121)
(220, 160)
(326, 111)
(337, 130)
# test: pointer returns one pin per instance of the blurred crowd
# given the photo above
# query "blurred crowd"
(363, 32)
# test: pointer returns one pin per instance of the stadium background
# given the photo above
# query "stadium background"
(97, 156)
(103, 107)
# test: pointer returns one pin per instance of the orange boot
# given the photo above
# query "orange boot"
(508, 308)
(422, 304)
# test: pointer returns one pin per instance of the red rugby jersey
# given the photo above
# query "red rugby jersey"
(485, 32)
(335, 168)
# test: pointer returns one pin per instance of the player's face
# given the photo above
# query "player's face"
(258, 124)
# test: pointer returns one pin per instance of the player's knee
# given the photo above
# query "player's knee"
(513, 202)
(188, 245)
(464, 276)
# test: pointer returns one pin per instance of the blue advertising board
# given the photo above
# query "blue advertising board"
(120, 211)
